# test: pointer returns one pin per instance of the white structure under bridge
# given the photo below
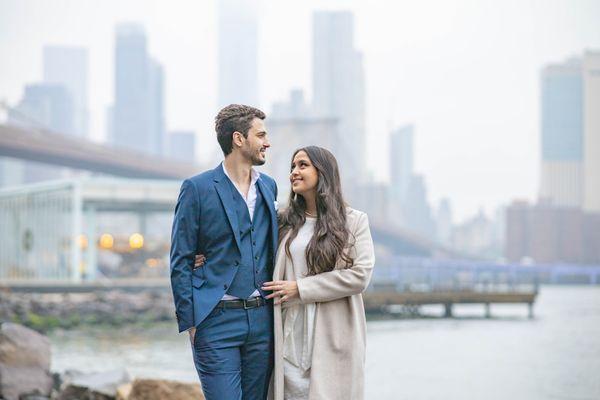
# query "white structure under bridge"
(86, 229)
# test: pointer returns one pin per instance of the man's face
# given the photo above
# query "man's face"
(255, 146)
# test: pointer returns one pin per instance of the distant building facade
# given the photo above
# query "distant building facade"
(562, 134)
(138, 113)
(68, 66)
(591, 126)
(545, 233)
(570, 133)
(181, 146)
(339, 85)
(238, 52)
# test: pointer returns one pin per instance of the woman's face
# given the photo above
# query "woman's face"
(304, 176)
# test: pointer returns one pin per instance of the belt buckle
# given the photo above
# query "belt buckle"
(245, 301)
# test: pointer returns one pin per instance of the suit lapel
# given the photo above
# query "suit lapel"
(269, 199)
(225, 194)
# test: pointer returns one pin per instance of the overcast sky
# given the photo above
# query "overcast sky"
(465, 73)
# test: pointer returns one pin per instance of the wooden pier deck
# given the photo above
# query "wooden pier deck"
(380, 300)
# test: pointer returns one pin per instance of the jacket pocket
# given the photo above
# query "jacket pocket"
(197, 282)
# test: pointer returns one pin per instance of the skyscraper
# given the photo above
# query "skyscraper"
(295, 107)
(415, 209)
(562, 134)
(156, 116)
(68, 66)
(401, 161)
(181, 145)
(591, 126)
(338, 85)
(296, 127)
(43, 106)
(238, 52)
(138, 113)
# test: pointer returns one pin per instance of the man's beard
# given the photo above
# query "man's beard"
(254, 157)
(256, 160)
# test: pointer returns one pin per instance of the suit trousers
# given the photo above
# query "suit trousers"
(233, 353)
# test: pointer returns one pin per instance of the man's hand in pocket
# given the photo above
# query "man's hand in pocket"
(199, 261)
(192, 332)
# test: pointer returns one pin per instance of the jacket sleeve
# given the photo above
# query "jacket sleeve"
(184, 239)
(339, 283)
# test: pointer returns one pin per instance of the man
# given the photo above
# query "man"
(228, 214)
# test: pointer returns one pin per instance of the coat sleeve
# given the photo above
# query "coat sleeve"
(184, 240)
(339, 283)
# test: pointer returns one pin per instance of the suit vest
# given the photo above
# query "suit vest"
(255, 246)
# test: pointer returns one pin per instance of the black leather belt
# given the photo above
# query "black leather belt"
(241, 303)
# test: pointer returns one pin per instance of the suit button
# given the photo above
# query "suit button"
(253, 243)
(256, 258)
(236, 263)
(252, 229)
(225, 287)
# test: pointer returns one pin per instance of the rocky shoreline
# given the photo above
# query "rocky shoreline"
(25, 353)
(44, 312)
(25, 374)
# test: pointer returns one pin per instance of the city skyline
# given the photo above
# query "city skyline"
(461, 121)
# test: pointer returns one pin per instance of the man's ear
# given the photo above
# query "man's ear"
(237, 138)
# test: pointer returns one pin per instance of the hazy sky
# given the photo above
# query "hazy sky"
(466, 73)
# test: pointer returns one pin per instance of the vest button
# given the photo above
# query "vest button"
(253, 243)
(236, 263)
(225, 287)
(256, 258)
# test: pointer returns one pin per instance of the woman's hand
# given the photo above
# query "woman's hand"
(283, 290)
(198, 261)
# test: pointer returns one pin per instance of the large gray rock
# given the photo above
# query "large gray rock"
(24, 362)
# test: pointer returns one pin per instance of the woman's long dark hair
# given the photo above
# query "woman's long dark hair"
(330, 236)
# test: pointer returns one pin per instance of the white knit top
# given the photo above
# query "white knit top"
(298, 321)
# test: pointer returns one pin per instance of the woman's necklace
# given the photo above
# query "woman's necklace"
(310, 215)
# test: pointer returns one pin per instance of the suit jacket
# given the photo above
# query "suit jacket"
(205, 222)
(338, 362)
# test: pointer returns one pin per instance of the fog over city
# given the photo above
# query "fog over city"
(467, 138)
(465, 74)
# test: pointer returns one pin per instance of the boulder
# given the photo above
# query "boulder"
(78, 385)
(24, 362)
(157, 389)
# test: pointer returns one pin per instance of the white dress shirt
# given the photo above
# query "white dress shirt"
(250, 200)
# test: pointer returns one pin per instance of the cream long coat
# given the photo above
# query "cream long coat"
(337, 371)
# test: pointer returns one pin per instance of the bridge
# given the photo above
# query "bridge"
(52, 148)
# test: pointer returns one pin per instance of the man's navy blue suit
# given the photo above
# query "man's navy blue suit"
(233, 348)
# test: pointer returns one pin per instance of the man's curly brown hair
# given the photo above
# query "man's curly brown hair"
(234, 118)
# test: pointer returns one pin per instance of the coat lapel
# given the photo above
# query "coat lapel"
(280, 260)
(224, 191)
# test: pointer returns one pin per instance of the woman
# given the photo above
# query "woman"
(323, 264)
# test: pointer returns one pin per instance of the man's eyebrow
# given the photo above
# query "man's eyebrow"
(259, 132)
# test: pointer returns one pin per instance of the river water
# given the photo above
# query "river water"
(555, 355)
